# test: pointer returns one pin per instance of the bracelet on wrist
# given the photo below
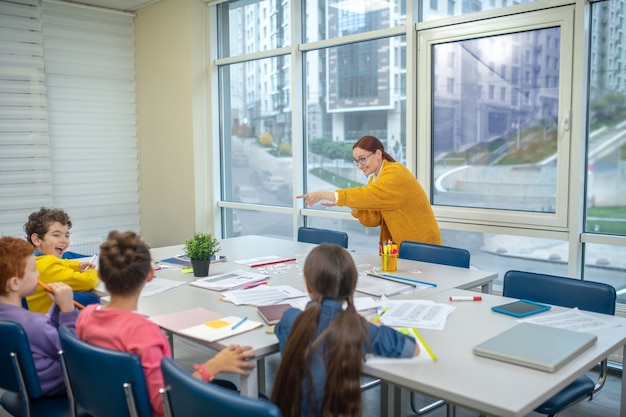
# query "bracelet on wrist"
(206, 375)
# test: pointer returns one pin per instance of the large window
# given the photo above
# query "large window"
(512, 127)
(605, 215)
(499, 141)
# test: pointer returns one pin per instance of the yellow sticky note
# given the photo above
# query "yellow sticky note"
(217, 324)
(186, 270)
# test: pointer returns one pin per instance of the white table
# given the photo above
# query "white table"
(491, 387)
(246, 247)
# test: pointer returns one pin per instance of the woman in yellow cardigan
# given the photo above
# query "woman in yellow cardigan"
(392, 198)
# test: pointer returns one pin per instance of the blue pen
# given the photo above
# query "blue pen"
(239, 323)
(431, 284)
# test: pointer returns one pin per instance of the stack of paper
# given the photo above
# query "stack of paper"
(229, 280)
(158, 285)
(263, 295)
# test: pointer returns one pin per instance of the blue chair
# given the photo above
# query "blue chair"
(435, 254)
(566, 292)
(101, 381)
(186, 396)
(22, 396)
(317, 236)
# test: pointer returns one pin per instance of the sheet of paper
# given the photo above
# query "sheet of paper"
(378, 286)
(265, 260)
(186, 318)
(263, 295)
(158, 285)
(362, 304)
(220, 328)
(423, 314)
(573, 319)
(233, 279)
(426, 354)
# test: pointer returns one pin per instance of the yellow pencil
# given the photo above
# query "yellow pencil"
(423, 342)
(378, 316)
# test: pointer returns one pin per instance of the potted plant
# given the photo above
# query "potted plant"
(199, 249)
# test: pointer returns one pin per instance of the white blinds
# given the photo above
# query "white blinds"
(25, 177)
(89, 106)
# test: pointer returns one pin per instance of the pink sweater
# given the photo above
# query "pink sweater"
(127, 331)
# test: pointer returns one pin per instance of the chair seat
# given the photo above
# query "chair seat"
(58, 406)
(576, 390)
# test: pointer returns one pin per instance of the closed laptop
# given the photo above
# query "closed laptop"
(534, 346)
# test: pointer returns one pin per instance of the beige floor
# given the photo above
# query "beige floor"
(604, 404)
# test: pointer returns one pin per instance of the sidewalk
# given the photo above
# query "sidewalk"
(600, 256)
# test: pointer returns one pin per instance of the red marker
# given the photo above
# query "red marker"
(279, 261)
(466, 298)
(256, 284)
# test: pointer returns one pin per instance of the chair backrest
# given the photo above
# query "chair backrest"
(562, 291)
(16, 361)
(435, 254)
(186, 396)
(314, 235)
(103, 382)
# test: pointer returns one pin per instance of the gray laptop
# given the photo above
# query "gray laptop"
(534, 346)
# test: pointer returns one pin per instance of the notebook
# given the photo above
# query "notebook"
(272, 313)
(535, 346)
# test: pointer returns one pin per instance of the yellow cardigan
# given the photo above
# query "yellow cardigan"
(397, 203)
(53, 269)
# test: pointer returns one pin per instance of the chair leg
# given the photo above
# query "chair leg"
(370, 384)
(427, 408)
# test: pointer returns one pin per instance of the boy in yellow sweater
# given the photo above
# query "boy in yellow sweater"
(48, 230)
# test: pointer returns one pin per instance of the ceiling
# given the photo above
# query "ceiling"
(123, 5)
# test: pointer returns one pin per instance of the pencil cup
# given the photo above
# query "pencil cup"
(388, 252)
(389, 262)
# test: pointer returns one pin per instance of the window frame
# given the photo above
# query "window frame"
(562, 17)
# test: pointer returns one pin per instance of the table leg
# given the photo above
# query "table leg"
(622, 405)
(393, 400)
(170, 339)
(487, 288)
(260, 364)
(249, 385)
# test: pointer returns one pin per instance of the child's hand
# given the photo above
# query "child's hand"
(376, 321)
(233, 358)
(62, 295)
(85, 266)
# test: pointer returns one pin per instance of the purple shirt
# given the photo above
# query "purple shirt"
(43, 335)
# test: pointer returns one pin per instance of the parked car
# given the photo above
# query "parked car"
(257, 176)
(237, 226)
(240, 159)
(246, 194)
(285, 193)
(272, 182)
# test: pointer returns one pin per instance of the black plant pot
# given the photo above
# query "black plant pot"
(200, 268)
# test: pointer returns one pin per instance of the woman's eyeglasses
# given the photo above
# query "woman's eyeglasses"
(361, 160)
